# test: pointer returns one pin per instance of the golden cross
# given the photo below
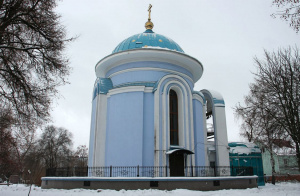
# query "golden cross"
(149, 10)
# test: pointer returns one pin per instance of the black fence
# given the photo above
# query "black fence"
(149, 171)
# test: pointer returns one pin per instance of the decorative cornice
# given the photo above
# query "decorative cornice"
(150, 54)
(129, 89)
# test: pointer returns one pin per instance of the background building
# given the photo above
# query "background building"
(246, 155)
(288, 164)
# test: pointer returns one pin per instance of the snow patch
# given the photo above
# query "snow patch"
(157, 47)
(247, 148)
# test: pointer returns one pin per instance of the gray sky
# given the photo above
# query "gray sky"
(223, 35)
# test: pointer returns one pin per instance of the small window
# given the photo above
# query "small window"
(153, 183)
(86, 183)
(216, 182)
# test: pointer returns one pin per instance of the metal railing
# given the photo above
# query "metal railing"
(150, 171)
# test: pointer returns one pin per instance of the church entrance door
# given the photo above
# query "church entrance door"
(176, 163)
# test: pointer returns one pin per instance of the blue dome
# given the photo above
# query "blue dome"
(148, 39)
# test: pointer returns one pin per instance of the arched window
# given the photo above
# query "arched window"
(173, 100)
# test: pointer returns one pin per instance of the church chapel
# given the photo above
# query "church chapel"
(145, 111)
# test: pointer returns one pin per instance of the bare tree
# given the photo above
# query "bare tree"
(81, 155)
(7, 157)
(32, 65)
(279, 74)
(258, 125)
(24, 142)
(275, 94)
(6, 119)
(34, 163)
(248, 116)
(289, 11)
(55, 146)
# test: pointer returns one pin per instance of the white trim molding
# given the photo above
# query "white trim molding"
(185, 118)
(126, 89)
(150, 54)
(215, 104)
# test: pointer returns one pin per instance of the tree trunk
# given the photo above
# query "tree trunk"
(273, 165)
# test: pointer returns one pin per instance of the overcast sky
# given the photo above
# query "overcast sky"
(223, 35)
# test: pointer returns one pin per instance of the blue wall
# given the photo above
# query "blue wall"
(198, 133)
(135, 76)
(153, 64)
(124, 129)
(148, 136)
(145, 75)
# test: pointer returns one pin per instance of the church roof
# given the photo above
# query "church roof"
(148, 39)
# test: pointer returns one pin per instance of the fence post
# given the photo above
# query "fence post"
(192, 171)
(251, 172)
(110, 171)
(215, 171)
(166, 171)
(138, 171)
(87, 170)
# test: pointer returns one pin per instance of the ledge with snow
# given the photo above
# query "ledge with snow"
(161, 183)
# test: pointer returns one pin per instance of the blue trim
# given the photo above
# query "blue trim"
(217, 101)
(102, 86)
(146, 84)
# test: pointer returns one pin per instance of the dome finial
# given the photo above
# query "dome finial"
(149, 24)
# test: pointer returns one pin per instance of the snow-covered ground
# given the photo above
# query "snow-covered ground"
(280, 189)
